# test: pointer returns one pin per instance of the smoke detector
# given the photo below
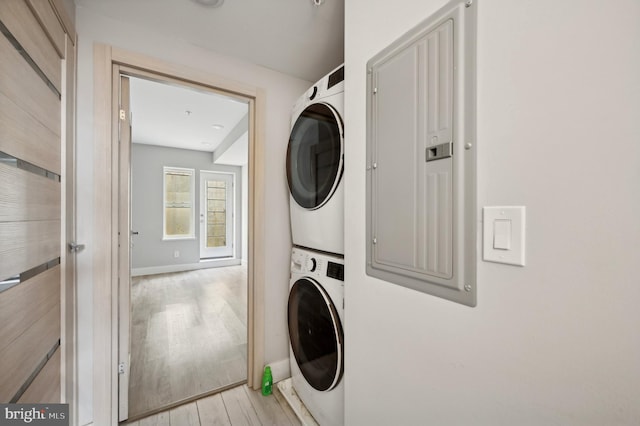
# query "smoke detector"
(209, 3)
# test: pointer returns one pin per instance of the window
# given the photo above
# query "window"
(178, 199)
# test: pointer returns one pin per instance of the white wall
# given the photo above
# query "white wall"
(281, 92)
(555, 342)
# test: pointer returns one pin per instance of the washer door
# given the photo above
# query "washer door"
(315, 333)
(314, 156)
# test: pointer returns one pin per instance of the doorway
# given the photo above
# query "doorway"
(183, 330)
(111, 231)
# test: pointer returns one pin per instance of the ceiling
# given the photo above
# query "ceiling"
(295, 37)
(182, 117)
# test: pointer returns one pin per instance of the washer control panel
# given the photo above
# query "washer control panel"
(312, 264)
(317, 265)
(335, 271)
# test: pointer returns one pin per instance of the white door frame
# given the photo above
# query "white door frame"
(107, 203)
(231, 231)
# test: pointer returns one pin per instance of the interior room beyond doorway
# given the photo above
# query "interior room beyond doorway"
(189, 244)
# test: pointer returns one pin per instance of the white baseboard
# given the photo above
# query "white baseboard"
(280, 370)
(205, 264)
(289, 393)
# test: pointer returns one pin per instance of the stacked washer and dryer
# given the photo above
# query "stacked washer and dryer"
(315, 164)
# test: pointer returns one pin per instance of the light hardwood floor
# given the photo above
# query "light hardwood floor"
(188, 336)
(238, 406)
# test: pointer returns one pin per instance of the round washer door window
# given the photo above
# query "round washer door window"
(314, 156)
(316, 335)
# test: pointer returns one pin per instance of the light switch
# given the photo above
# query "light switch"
(504, 234)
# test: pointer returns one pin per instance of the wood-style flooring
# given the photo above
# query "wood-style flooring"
(238, 406)
(188, 336)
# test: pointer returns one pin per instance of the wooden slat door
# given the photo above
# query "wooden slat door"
(37, 89)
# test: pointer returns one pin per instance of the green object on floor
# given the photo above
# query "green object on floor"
(267, 381)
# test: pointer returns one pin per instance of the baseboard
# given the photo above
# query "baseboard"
(164, 269)
(289, 393)
(280, 370)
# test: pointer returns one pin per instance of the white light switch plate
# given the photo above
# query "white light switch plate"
(514, 255)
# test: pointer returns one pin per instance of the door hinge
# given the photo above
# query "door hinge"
(123, 115)
(75, 247)
(121, 368)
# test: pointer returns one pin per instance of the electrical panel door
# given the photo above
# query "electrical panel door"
(421, 157)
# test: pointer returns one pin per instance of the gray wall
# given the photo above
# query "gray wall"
(147, 162)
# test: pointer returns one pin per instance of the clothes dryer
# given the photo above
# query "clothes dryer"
(315, 317)
(315, 164)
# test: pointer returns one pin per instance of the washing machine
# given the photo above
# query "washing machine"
(315, 316)
(315, 164)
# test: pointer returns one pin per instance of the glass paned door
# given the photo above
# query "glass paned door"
(216, 215)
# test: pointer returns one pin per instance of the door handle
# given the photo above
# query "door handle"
(75, 248)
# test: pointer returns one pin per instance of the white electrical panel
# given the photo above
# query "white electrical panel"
(421, 157)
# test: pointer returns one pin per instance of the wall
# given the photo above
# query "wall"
(69, 7)
(281, 92)
(147, 162)
(555, 342)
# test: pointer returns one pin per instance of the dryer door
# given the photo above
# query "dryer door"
(315, 155)
(315, 333)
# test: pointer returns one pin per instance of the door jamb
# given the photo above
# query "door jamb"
(106, 203)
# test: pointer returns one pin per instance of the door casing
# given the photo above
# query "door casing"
(122, 84)
(109, 63)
